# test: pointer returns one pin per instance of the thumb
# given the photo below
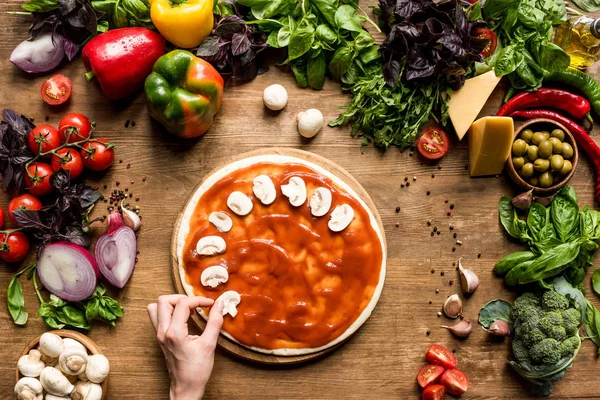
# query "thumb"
(214, 324)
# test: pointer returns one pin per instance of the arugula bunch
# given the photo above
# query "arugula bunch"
(524, 29)
(321, 37)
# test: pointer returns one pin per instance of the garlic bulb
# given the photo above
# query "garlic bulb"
(453, 306)
(462, 329)
(469, 281)
(130, 218)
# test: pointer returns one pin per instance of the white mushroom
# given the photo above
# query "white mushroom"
(264, 189)
(82, 377)
(98, 368)
(221, 220)
(214, 276)
(53, 397)
(320, 202)
(239, 203)
(310, 122)
(230, 300)
(29, 389)
(31, 364)
(295, 191)
(49, 361)
(275, 97)
(54, 382)
(73, 360)
(52, 345)
(87, 391)
(211, 245)
(340, 218)
(68, 342)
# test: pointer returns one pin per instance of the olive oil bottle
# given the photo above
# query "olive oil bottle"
(580, 38)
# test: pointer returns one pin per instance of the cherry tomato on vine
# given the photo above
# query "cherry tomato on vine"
(439, 355)
(429, 374)
(23, 202)
(16, 247)
(455, 382)
(77, 125)
(37, 179)
(2, 219)
(69, 160)
(46, 135)
(485, 33)
(56, 90)
(434, 392)
(433, 144)
(99, 155)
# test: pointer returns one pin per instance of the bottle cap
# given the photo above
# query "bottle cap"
(595, 28)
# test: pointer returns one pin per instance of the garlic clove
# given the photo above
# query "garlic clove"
(51, 344)
(469, 281)
(211, 245)
(31, 365)
(320, 202)
(239, 203)
(230, 300)
(499, 328)
(221, 221)
(295, 191)
(54, 382)
(463, 329)
(130, 218)
(97, 368)
(214, 276)
(523, 201)
(264, 189)
(340, 218)
(453, 306)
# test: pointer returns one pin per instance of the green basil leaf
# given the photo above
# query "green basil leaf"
(138, 9)
(508, 60)
(514, 275)
(596, 281)
(493, 311)
(106, 314)
(589, 222)
(551, 263)
(565, 217)
(363, 40)
(73, 316)
(327, 8)
(283, 36)
(16, 301)
(548, 239)
(299, 70)
(325, 34)
(591, 324)
(91, 309)
(504, 266)
(40, 5)
(537, 219)
(301, 41)
(272, 40)
(475, 13)
(552, 58)
(316, 71)
(369, 54)
(114, 307)
(346, 17)
(52, 322)
(340, 63)
(55, 301)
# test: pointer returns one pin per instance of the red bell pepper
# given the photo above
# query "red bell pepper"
(121, 59)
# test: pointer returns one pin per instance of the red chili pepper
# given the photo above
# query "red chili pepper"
(574, 105)
(121, 59)
(584, 141)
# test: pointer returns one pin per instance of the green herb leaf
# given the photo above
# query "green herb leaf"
(591, 324)
(565, 217)
(340, 63)
(596, 281)
(551, 263)
(72, 316)
(299, 70)
(40, 5)
(493, 311)
(301, 40)
(283, 36)
(537, 219)
(326, 34)
(504, 266)
(513, 276)
(327, 8)
(509, 218)
(346, 17)
(563, 287)
(508, 60)
(16, 301)
(316, 71)
(91, 309)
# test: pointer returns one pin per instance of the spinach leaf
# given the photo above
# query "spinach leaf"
(551, 263)
(596, 281)
(283, 36)
(301, 39)
(504, 266)
(493, 311)
(565, 217)
(347, 18)
(316, 71)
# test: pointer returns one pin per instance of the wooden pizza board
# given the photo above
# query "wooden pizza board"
(229, 345)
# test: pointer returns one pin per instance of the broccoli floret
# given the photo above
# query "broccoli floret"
(527, 299)
(551, 325)
(569, 345)
(552, 301)
(546, 351)
(520, 351)
(571, 321)
(526, 313)
(532, 337)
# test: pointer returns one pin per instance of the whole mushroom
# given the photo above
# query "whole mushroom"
(73, 360)
(29, 389)
(275, 97)
(310, 122)
(87, 391)
(31, 364)
(98, 368)
(54, 382)
(53, 397)
(52, 345)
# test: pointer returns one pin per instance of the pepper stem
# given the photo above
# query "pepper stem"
(588, 116)
(89, 76)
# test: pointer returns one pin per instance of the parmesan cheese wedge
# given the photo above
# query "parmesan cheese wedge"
(490, 142)
(466, 103)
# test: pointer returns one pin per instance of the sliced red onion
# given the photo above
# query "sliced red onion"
(115, 251)
(42, 54)
(67, 270)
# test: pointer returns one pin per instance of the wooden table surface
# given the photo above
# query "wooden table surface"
(382, 359)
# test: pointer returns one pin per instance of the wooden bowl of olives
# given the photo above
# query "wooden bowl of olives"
(543, 156)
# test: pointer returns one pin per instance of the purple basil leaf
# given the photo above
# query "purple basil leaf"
(247, 57)
(66, 6)
(29, 220)
(209, 47)
(18, 122)
(75, 234)
(227, 30)
(71, 49)
(88, 196)
(89, 18)
(60, 180)
(391, 72)
(240, 44)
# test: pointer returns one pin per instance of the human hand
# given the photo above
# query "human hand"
(189, 358)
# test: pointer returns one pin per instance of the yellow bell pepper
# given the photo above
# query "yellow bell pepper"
(185, 23)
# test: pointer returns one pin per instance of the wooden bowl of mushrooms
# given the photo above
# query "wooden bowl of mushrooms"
(62, 365)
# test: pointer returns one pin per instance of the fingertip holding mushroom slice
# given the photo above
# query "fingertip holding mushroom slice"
(221, 221)
(29, 389)
(295, 191)
(54, 382)
(214, 276)
(210, 246)
(31, 365)
(230, 301)
(264, 189)
(239, 203)
(320, 202)
(341, 217)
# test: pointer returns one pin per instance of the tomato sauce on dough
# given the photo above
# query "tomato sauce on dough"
(301, 285)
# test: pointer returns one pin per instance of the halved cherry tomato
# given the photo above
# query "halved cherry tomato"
(434, 392)
(78, 126)
(16, 247)
(45, 135)
(433, 144)
(56, 90)
(439, 355)
(1, 218)
(37, 179)
(70, 160)
(23, 202)
(485, 33)
(455, 382)
(429, 374)
(99, 155)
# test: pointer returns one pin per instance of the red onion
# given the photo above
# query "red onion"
(115, 251)
(67, 270)
(42, 54)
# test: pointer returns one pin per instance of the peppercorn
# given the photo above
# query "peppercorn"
(440, 166)
(410, 154)
(449, 213)
(446, 201)
(428, 332)
(397, 224)
(414, 178)
(432, 233)
(144, 178)
(451, 282)
(439, 232)
(120, 161)
(118, 183)
(437, 290)
(452, 206)
(127, 123)
(47, 118)
(407, 184)
(428, 193)
(453, 249)
(132, 181)
(433, 175)
(478, 255)
(128, 166)
(454, 235)
(430, 302)
(451, 227)
(397, 209)
(405, 178)
(428, 222)
(132, 123)
(432, 270)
